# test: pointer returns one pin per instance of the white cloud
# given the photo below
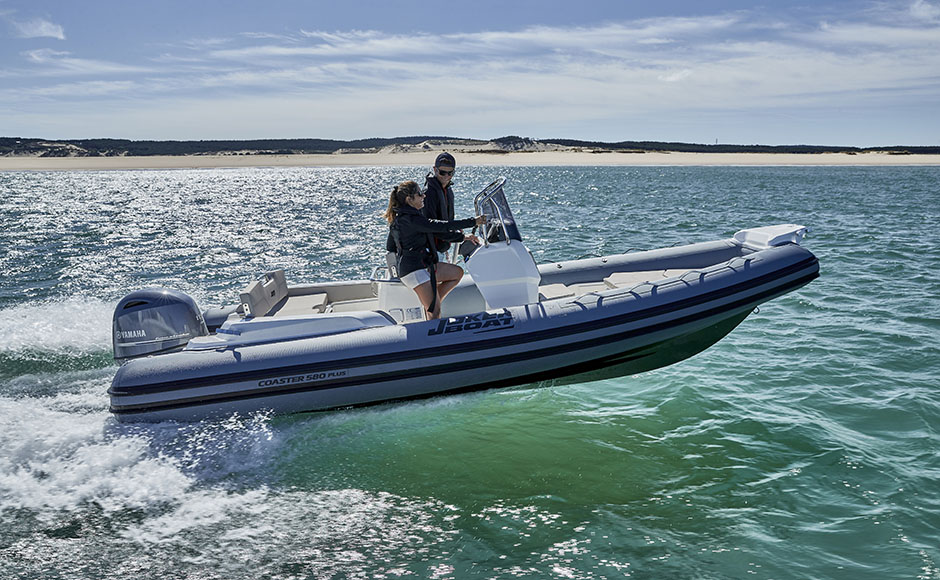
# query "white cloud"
(57, 62)
(716, 62)
(83, 90)
(748, 57)
(44, 55)
(675, 76)
(541, 77)
(493, 44)
(864, 35)
(923, 10)
(38, 28)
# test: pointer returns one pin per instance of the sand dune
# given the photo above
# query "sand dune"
(425, 157)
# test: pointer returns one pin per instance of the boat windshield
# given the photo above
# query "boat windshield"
(500, 225)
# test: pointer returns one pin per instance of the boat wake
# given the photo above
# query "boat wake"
(75, 325)
(56, 336)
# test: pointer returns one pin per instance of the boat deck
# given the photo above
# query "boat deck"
(615, 280)
(361, 296)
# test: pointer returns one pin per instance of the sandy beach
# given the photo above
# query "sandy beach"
(421, 158)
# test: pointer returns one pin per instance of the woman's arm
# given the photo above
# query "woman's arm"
(423, 224)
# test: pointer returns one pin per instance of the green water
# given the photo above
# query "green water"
(803, 445)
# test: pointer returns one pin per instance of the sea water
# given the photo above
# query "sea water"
(803, 445)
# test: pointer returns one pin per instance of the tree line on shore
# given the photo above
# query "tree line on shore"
(10, 146)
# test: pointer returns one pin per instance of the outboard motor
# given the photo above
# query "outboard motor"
(155, 321)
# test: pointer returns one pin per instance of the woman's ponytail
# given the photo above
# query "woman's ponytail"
(398, 198)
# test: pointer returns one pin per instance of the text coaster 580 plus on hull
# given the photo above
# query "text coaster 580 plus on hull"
(338, 344)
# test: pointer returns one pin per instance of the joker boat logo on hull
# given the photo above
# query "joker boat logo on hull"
(479, 322)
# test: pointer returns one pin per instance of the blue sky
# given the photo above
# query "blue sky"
(828, 72)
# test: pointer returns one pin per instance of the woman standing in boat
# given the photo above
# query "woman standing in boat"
(411, 236)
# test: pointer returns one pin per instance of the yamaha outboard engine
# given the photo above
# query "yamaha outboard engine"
(155, 321)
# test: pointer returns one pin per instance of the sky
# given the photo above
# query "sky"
(820, 72)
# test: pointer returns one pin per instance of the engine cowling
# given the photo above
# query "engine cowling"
(155, 321)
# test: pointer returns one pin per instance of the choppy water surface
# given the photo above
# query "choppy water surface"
(804, 445)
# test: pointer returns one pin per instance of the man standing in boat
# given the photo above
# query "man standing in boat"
(439, 195)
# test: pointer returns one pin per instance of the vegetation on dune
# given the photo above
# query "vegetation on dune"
(10, 146)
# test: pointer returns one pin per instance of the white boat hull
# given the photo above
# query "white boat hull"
(621, 330)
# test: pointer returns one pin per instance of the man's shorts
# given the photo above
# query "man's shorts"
(416, 278)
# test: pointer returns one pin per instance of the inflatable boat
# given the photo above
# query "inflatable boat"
(298, 348)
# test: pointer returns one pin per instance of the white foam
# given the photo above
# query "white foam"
(214, 450)
(199, 509)
(301, 522)
(71, 325)
(51, 461)
(75, 391)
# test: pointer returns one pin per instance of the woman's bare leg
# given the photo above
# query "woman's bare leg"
(425, 294)
(448, 276)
